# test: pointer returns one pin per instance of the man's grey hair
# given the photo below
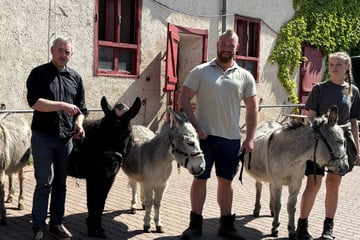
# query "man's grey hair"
(62, 39)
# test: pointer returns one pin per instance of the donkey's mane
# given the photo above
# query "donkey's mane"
(159, 140)
(294, 124)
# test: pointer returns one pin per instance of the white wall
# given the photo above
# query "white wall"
(26, 28)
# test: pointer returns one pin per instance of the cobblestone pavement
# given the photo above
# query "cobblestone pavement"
(121, 224)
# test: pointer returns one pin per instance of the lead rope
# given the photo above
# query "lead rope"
(317, 136)
(242, 160)
(76, 145)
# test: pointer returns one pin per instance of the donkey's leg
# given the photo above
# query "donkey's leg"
(276, 188)
(10, 197)
(258, 187)
(148, 194)
(2, 195)
(21, 178)
(97, 189)
(294, 188)
(271, 203)
(142, 197)
(134, 200)
(158, 195)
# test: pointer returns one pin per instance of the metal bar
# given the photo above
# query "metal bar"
(99, 109)
(31, 111)
(279, 105)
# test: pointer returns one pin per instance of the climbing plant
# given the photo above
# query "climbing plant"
(329, 25)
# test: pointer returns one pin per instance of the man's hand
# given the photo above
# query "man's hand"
(71, 109)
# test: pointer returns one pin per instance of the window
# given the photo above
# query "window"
(247, 56)
(117, 37)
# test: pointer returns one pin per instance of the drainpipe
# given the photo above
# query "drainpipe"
(49, 30)
(223, 15)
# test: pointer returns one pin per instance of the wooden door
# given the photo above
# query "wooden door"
(310, 71)
(172, 56)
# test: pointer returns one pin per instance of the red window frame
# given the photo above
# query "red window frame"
(248, 55)
(117, 38)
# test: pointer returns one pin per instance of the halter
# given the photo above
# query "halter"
(333, 158)
(174, 149)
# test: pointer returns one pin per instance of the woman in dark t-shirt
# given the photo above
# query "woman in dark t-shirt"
(338, 91)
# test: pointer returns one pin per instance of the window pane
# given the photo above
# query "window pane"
(241, 31)
(248, 65)
(127, 27)
(253, 30)
(126, 61)
(106, 56)
(107, 21)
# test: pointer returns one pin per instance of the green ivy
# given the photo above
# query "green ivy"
(328, 25)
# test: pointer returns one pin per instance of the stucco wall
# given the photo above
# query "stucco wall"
(28, 26)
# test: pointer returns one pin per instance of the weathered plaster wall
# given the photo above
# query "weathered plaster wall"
(27, 27)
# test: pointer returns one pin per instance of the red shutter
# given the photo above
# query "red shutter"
(171, 58)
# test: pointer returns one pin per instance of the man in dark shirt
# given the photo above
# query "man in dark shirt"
(56, 93)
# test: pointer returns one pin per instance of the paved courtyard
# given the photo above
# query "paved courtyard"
(120, 224)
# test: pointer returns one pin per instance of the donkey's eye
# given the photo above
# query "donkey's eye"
(191, 144)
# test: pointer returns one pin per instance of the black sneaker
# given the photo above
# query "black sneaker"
(39, 234)
(327, 233)
(59, 232)
(302, 230)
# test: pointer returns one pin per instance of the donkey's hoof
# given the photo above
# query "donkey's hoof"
(159, 229)
(133, 210)
(20, 206)
(143, 206)
(256, 213)
(9, 199)
(292, 236)
(99, 233)
(147, 229)
(274, 233)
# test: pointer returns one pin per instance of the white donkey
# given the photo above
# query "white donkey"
(150, 162)
(15, 141)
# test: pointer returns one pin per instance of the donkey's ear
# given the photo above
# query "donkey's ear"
(177, 119)
(332, 115)
(183, 115)
(134, 109)
(105, 106)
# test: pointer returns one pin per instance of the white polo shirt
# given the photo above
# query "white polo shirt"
(219, 95)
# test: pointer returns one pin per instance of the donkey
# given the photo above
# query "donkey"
(98, 158)
(15, 151)
(280, 154)
(11, 188)
(150, 162)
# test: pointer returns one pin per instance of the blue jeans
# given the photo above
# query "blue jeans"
(50, 157)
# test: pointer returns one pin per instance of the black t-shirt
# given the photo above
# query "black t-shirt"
(326, 94)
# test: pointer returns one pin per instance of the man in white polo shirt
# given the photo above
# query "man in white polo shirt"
(220, 86)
